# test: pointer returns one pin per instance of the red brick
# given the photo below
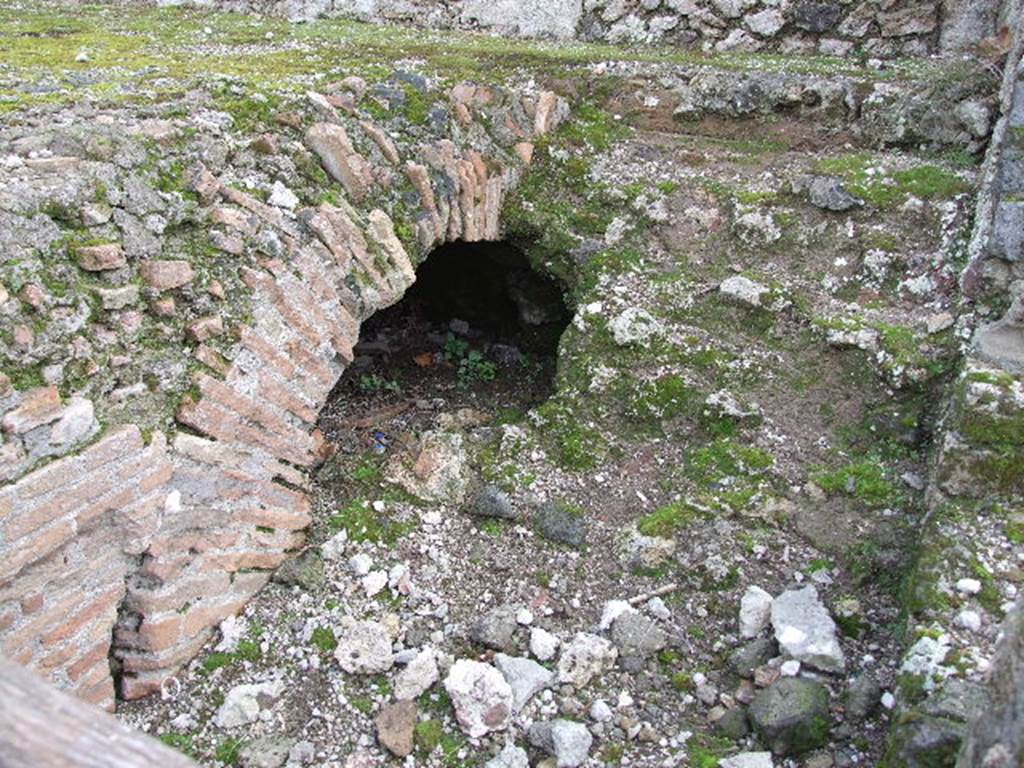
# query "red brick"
(95, 655)
(160, 635)
(277, 393)
(104, 603)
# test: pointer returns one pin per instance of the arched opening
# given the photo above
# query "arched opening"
(478, 329)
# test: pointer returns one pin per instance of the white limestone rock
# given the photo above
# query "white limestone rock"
(806, 631)
(584, 658)
(418, 676)
(755, 612)
(543, 644)
(364, 648)
(525, 676)
(243, 703)
(481, 697)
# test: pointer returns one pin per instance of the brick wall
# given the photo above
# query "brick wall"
(148, 547)
(70, 533)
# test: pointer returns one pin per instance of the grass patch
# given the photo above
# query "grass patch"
(666, 520)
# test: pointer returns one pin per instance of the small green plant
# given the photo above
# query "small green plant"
(362, 704)
(427, 736)
(455, 348)
(474, 367)
(228, 751)
(324, 639)
(181, 742)
(372, 383)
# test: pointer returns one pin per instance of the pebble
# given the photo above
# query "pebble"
(543, 644)
(969, 620)
(600, 711)
(360, 564)
(968, 586)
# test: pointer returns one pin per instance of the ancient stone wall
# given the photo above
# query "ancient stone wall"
(120, 539)
(974, 498)
(869, 28)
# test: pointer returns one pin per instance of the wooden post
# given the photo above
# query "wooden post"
(42, 727)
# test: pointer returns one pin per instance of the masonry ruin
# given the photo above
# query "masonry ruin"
(373, 393)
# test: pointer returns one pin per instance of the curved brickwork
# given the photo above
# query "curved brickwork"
(166, 540)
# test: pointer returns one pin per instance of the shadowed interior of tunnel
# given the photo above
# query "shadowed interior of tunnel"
(478, 329)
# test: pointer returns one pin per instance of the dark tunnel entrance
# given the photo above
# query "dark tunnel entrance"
(478, 329)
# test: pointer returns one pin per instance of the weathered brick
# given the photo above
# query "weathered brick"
(35, 547)
(165, 662)
(251, 409)
(233, 218)
(98, 258)
(339, 158)
(92, 657)
(205, 328)
(38, 406)
(104, 603)
(269, 518)
(98, 688)
(160, 635)
(133, 688)
(289, 311)
(274, 391)
(267, 213)
(7, 618)
(173, 596)
(166, 274)
(205, 616)
(216, 421)
(60, 474)
(267, 352)
(57, 658)
(236, 561)
(32, 516)
(213, 359)
(31, 604)
(28, 633)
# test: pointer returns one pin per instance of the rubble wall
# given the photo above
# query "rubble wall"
(901, 28)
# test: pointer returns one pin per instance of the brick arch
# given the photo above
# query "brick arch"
(154, 542)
